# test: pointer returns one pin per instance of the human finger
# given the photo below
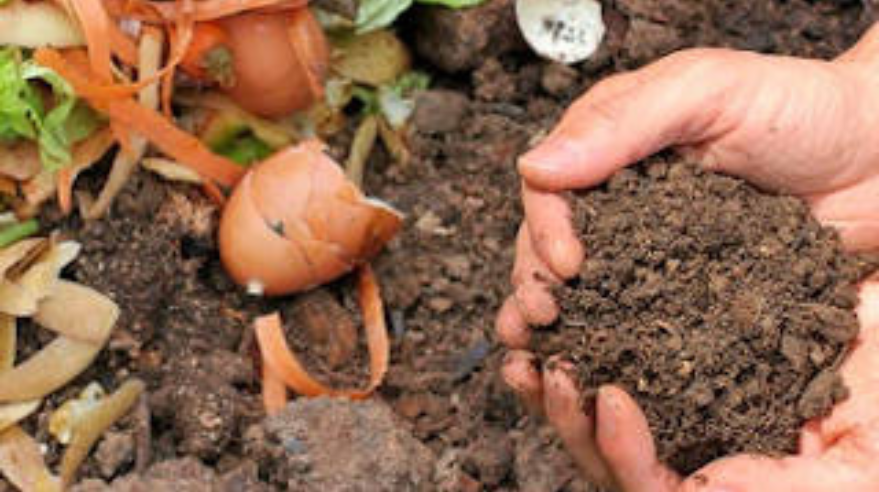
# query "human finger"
(748, 473)
(536, 303)
(533, 281)
(574, 420)
(865, 49)
(529, 266)
(522, 374)
(860, 372)
(625, 442)
(600, 134)
(511, 327)
(551, 229)
(845, 211)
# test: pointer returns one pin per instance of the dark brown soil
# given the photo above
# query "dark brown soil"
(724, 310)
(185, 328)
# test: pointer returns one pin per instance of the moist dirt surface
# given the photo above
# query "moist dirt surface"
(725, 311)
(184, 327)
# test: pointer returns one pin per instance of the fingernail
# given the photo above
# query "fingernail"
(566, 257)
(548, 156)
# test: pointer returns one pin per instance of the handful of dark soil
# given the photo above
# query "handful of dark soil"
(723, 310)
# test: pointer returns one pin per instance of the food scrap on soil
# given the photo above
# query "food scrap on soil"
(82, 319)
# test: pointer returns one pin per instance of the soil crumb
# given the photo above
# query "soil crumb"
(724, 310)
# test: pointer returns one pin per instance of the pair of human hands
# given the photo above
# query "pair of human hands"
(804, 127)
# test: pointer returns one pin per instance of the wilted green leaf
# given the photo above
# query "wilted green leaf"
(376, 14)
(244, 149)
(454, 4)
(397, 101)
(23, 114)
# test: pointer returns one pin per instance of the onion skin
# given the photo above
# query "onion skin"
(280, 60)
(296, 222)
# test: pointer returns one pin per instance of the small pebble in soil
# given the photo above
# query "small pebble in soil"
(439, 111)
(705, 298)
(115, 450)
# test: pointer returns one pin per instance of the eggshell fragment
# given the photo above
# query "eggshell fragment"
(296, 222)
(567, 31)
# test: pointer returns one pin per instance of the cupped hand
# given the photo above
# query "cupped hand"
(611, 442)
(804, 127)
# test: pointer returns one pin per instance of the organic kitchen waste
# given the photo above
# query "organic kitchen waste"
(200, 200)
(197, 92)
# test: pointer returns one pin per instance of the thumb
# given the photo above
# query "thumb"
(629, 117)
(866, 49)
(747, 473)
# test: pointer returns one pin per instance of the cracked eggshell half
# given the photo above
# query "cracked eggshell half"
(296, 222)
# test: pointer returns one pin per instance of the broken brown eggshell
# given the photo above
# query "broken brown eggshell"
(295, 222)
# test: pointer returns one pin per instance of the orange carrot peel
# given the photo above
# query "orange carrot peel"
(205, 10)
(278, 358)
(274, 391)
(93, 81)
(171, 140)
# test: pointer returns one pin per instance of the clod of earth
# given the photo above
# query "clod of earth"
(330, 444)
(725, 311)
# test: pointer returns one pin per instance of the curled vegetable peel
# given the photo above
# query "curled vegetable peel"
(296, 222)
(282, 366)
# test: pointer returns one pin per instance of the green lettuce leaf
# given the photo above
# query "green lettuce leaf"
(23, 113)
(395, 102)
(244, 149)
(376, 14)
(453, 4)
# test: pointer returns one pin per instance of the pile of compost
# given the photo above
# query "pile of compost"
(724, 310)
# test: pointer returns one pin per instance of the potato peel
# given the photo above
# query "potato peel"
(77, 312)
(94, 422)
(64, 358)
(8, 337)
(281, 361)
(14, 253)
(21, 297)
(52, 367)
(13, 413)
(65, 419)
(37, 24)
(21, 462)
(171, 170)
